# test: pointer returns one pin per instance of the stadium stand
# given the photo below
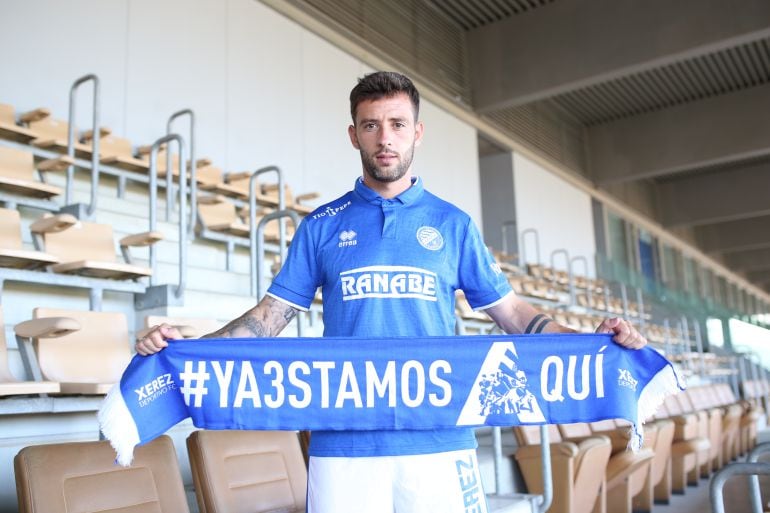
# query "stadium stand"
(10, 129)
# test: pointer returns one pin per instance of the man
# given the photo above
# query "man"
(389, 256)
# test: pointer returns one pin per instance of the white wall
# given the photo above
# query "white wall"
(264, 90)
(558, 211)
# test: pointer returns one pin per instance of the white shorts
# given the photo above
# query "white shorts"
(446, 482)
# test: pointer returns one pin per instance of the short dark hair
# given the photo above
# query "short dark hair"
(383, 84)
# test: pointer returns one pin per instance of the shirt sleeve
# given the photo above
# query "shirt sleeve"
(299, 277)
(480, 277)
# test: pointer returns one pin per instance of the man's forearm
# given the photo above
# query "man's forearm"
(267, 319)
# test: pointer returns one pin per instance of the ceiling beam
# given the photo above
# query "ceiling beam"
(568, 45)
(749, 260)
(701, 134)
(733, 236)
(712, 197)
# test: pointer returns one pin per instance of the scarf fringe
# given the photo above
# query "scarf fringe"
(666, 382)
(118, 426)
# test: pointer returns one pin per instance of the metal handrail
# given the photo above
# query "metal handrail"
(718, 481)
(179, 290)
(504, 235)
(570, 279)
(754, 492)
(522, 246)
(256, 264)
(94, 142)
(545, 458)
(589, 288)
(193, 167)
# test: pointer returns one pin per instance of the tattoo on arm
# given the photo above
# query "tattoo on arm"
(537, 324)
(267, 319)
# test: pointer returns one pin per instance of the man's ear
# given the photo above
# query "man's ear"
(419, 128)
(353, 137)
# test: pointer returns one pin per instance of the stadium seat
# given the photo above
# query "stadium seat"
(12, 252)
(116, 152)
(626, 472)
(88, 249)
(17, 174)
(293, 202)
(577, 486)
(52, 135)
(78, 477)
(247, 471)
(219, 214)
(86, 361)
(689, 450)
(9, 385)
(9, 129)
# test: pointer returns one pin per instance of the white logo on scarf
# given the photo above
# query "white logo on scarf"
(430, 238)
(625, 379)
(500, 389)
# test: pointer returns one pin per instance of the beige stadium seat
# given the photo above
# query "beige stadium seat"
(577, 486)
(247, 471)
(293, 202)
(626, 472)
(219, 214)
(88, 249)
(9, 385)
(17, 173)
(689, 450)
(9, 129)
(87, 361)
(52, 135)
(78, 477)
(116, 152)
(12, 252)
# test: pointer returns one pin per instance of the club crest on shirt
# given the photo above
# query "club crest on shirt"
(430, 238)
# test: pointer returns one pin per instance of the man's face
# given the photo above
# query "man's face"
(386, 134)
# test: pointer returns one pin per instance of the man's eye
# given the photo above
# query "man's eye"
(370, 126)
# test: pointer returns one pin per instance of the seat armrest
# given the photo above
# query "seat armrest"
(141, 239)
(35, 115)
(53, 223)
(57, 164)
(46, 327)
(88, 135)
(236, 175)
(208, 199)
(306, 196)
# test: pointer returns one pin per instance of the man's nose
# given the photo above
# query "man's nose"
(385, 136)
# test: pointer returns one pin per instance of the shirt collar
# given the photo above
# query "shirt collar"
(410, 195)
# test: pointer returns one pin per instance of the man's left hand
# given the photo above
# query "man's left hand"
(625, 334)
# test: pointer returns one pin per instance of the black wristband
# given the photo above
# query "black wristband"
(533, 322)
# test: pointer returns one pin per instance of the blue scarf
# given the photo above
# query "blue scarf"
(384, 383)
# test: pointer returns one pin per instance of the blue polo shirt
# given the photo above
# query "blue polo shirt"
(389, 267)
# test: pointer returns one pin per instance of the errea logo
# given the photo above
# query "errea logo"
(347, 238)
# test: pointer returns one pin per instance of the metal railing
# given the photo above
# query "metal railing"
(193, 169)
(153, 186)
(94, 142)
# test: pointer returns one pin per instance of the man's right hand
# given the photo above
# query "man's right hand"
(155, 339)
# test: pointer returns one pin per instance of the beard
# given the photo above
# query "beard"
(387, 174)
